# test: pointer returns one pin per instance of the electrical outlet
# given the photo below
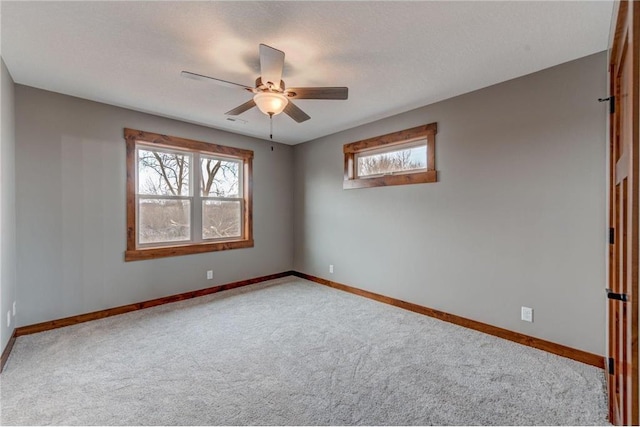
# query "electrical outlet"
(209, 274)
(14, 308)
(527, 314)
(331, 268)
(8, 318)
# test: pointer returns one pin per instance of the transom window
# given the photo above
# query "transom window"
(395, 159)
(405, 157)
(185, 196)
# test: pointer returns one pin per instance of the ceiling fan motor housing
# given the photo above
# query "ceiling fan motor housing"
(263, 86)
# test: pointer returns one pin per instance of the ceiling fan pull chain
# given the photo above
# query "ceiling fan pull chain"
(271, 126)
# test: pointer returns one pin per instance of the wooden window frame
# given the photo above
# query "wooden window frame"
(407, 136)
(150, 139)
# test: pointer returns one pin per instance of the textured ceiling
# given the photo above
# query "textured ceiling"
(393, 56)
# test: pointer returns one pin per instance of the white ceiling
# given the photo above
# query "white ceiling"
(393, 56)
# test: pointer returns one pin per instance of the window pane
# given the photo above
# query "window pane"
(163, 220)
(219, 178)
(221, 219)
(406, 159)
(163, 173)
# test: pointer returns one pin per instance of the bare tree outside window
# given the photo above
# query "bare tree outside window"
(163, 173)
(165, 217)
(221, 207)
(219, 178)
(164, 220)
(221, 219)
(393, 161)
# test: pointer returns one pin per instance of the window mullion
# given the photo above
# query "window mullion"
(163, 196)
(223, 199)
(196, 215)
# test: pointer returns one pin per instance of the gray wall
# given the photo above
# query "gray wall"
(70, 162)
(517, 219)
(7, 205)
(518, 216)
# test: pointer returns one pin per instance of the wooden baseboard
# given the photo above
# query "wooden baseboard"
(7, 350)
(551, 347)
(73, 320)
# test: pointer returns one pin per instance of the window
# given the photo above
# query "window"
(185, 197)
(405, 157)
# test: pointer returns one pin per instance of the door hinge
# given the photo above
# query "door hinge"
(612, 103)
(612, 236)
(611, 366)
(616, 296)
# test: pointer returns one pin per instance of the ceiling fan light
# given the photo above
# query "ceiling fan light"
(270, 103)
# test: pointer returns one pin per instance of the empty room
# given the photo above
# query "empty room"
(319, 213)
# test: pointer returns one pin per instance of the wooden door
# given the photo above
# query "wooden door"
(623, 208)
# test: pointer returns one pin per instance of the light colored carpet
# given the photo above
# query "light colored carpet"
(289, 352)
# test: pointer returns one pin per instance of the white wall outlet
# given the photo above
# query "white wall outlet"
(527, 314)
(331, 268)
(14, 308)
(209, 274)
(8, 318)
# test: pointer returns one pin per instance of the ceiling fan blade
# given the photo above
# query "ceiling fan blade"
(241, 108)
(200, 77)
(318, 92)
(293, 111)
(271, 64)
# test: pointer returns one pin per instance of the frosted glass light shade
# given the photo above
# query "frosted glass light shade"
(270, 102)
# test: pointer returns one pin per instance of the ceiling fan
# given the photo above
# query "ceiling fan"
(270, 94)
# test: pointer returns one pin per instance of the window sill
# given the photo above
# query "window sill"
(169, 251)
(386, 180)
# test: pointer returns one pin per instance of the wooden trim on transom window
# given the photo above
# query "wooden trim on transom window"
(135, 253)
(428, 132)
